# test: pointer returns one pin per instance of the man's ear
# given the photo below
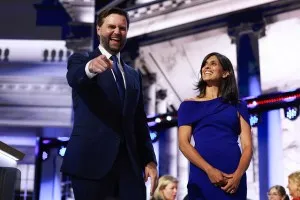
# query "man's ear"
(98, 28)
(225, 74)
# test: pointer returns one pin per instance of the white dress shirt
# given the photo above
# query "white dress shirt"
(108, 55)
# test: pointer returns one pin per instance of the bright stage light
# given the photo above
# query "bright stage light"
(168, 118)
(46, 141)
(154, 136)
(291, 112)
(151, 124)
(44, 155)
(252, 105)
(254, 120)
(62, 151)
(157, 120)
(63, 139)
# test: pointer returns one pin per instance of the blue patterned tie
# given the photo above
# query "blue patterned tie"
(119, 77)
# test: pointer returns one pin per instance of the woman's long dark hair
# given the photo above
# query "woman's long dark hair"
(228, 88)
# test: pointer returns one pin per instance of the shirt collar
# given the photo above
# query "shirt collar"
(107, 54)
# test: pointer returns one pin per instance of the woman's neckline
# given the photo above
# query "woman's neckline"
(193, 100)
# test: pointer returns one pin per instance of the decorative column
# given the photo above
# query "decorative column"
(38, 168)
(275, 149)
(161, 108)
(168, 147)
(50, 187)
(149, 83)
(172, 140)
(182, 174)
(48, 182)
(245, 32)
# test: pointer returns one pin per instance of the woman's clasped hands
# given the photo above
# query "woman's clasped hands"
(227, 182)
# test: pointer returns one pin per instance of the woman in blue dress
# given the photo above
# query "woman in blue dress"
(216, 119)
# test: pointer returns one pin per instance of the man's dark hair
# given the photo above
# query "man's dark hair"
(106, 12)
(228, 88)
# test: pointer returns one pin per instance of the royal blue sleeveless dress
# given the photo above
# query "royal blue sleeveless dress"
(215, 129)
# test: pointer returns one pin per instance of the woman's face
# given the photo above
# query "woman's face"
(170, 191)
(212, 71)
(293, 190)
(273, 194)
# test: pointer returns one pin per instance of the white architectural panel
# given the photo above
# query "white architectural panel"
(32, 50)
(190, 14)
(290, 146)
(279, 55)
(279, 66)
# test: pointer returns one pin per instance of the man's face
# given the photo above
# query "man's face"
(113, 33)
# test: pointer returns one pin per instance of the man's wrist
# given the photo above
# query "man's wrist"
(88, 70)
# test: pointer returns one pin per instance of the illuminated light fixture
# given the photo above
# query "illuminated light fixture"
(154, 136)
(254, 119)
(150, 124)
(44, 155)
(157, 120)
(168, 118)
(253, 104)
(63, 139)
(62, 151)
(291, 112)
(8, 155)
(287, 98)
(46, 141)
(151, 115)
(290, 99)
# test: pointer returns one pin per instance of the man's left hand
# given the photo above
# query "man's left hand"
(151, 171)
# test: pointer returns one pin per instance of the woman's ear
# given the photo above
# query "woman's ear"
(225, 74)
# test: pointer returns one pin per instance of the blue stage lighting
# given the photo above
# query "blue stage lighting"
(44, 155)
(254, 120)
(154, 136)
(62, 151)
(46, 141)
(291, 112)
(63, 139)
(151, 124)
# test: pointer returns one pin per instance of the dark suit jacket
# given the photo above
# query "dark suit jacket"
(101, 123)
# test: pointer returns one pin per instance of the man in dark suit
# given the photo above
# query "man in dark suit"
(110, 148)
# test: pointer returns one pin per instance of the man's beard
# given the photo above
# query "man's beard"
(105, 43)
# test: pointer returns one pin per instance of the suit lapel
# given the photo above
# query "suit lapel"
(130, 87)
(106, 81)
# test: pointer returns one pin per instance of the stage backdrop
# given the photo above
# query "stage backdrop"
(279, 59)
